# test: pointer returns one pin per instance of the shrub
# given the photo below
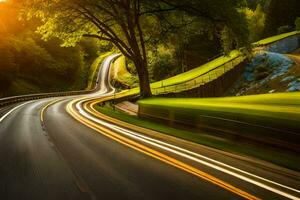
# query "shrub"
(297, 23)
(256, 22)
(284, 29)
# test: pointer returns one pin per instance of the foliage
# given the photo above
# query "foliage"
(297, 23)
(217, 17)
(277, 157)
(256, 23)
(284, 29)
(121, 75)
(29, 64)
(281, 13)
(252, 4)
(137, 26)
(162, 63)
(7, 66)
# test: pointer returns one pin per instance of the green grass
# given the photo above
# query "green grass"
(271, 155)
(186, 80)
(120, 73)
(181, 78)
(275, 110)
(186, 76)
(276, 38)
(270, 109)
(276, 99)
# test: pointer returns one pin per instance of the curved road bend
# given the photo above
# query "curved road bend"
(48, 154)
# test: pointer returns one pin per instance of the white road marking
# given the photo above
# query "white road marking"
(165, 146)
(209, 159)
(12, 110)
(238, 173)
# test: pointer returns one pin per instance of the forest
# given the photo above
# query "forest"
(45, 51)
(149, 99)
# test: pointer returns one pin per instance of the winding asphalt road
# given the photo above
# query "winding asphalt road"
(56, 149)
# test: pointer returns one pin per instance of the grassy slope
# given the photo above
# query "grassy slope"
(180, 78)
(214, 64)
(276, 38)
(279, 158)
(189, 75)
(120, 73)
(277, 99)
(281, 108)
(257, 104)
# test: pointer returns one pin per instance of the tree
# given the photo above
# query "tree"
(223, 19)
(256, 22)
(129, 24)
(281, 13)
(7, 65)
(297, 23)
(112, 21)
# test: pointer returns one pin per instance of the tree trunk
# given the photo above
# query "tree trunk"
(142, 70)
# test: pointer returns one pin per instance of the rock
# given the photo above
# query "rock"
(294, 86)
(266, 67)
(272, 91)
(288, 78)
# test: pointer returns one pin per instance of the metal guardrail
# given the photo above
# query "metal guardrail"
(211, 75)
(175, 88)
(22, 98)
(202, 79)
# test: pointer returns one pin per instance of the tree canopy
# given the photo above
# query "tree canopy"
(133, 26)
(31, 65)
(281, 13)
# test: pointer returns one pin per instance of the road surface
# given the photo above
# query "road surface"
(56, 149)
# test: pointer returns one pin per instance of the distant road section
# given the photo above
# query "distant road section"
(56, 148)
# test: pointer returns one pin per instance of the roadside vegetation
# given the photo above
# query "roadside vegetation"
(273, 110)
(31, 65)
(186, 34)
(120, 75)
(138, 28)
(273, 155)
(54, 45)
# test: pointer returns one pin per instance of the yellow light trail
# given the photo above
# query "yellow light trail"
(155, 154)
(87, 115)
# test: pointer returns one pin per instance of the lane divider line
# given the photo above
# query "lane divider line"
(79, 182)
(160, 145)
(158, 155)
(45, 107)
(12, 110)
(92, 111)
(209, 159)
